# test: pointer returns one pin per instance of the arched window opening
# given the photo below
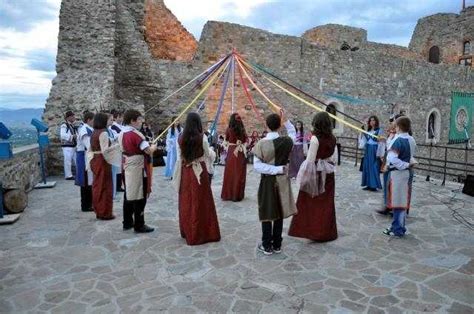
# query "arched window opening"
(433, 126)
(466, 48)
(434, 55)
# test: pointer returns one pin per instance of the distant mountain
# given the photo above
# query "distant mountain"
(19, 117)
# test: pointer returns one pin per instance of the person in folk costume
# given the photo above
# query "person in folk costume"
(251, 142)
(116, 128)
(68, 137)
(147, 132)
(221, 150)
(136, 170)
(400, 163)
(113, 137)
(235, 172)
(171, 148)
(275, 197)
(298, 152)
(391, 132)
(374, 149)
(198, 222)
(101, 148)
(316, 218)
(84, 177)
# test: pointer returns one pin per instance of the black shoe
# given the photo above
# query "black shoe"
(145, 229)
(70, 178)
(266, 251)
(372, 189)
(366, 188)
(120, 190)
(385, 211)
(125, 228)
(88, 209)
(277, 250)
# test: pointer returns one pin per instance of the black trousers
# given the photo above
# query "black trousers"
(118, 188)
(134, 211)
(271, 233)
(86, 198)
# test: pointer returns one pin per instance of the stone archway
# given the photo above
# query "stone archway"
(434, 55)
(433, 126)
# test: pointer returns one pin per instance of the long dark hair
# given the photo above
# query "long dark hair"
(100, 121)
(377, 123)
(191, 145)
(322, 124)
(178, 126)
(302, 126)
(236, 125)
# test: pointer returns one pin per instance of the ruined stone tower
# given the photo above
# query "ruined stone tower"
(131, 54)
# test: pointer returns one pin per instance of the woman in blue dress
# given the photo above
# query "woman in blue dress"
(374, 149)
(171, 153)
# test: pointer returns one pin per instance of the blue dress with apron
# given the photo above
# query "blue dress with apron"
(171, 152)
(371, 164)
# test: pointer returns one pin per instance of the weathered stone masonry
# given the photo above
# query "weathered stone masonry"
(109, 55)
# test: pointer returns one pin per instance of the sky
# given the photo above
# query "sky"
(29, 30)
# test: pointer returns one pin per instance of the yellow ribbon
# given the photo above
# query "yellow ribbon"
(307, 102)
(206, 86)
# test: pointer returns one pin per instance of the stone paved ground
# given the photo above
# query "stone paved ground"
(58, 259)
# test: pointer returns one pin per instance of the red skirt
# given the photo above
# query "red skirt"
(197, 212)
(235, 175)
(316, 218)
(102, 187)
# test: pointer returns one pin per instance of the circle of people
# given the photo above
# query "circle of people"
(112, 150)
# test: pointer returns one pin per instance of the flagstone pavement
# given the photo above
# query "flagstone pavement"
(61, 260)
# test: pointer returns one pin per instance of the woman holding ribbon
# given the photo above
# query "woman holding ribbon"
(316, 217)
(171, 144)
(233, 188)
(198, 222)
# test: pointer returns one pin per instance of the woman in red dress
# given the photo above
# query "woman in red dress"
(102, 186)
(316, 218)
(235, 172)
(197, 212)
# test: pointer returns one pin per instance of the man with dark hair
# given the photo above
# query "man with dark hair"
(68, 137)
(118, 120)
(275, 197)
(400, 161)
(137, 172)
(83, 175)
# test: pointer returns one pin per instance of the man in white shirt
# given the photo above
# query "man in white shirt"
(68, 137)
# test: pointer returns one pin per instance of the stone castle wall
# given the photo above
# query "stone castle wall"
(122, 70)
(85, 60)
(23, 171)
(447, 31)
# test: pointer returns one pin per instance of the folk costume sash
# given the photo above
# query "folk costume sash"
(135, 168)
(265, 151)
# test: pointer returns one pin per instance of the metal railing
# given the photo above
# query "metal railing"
(446, 166)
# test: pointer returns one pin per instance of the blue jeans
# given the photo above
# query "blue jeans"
(398, 223)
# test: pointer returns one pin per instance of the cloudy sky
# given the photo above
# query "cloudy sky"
(29, 29)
